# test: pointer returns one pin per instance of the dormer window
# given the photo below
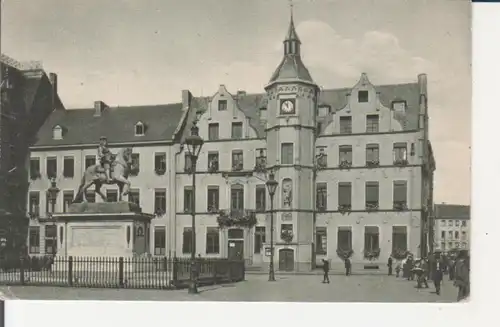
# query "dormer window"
(399, 106)
(362, 96)
(139, 129)
(323, 111)
(57, 132)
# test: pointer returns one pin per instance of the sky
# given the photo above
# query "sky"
(130, 52)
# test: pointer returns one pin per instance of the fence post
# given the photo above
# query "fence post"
(243, 271)
(174, 271)
(70, 270)
(120, 271)
(21, 270)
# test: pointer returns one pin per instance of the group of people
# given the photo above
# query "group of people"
(434, 267)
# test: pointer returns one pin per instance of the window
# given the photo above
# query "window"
(345, 155)
(321, 196)
(237, 130)
(260, 159)
(187, 240)
(450, 245)
(89, 161)
(345, 125)
(399, 153)
(399, 106)
(372, 124)
(213, 131)
(222, 105)
(213, 161)
(362, 96)
(371, 239)
(160, 240)
(443, 234)
(51, 204)
(112, 195)
(212, 240)
(457, 235)
(213, 199)
(399, 195)
(160, 163)
(457, 223)
(321, 157)
(399, 238)
(135, 164)
(450, 234)
(237, 193)
(160, 201)
(57, 133)
(450, 223)
(52, 167)
(371, 195)
(344, 238)
(90, 196)
(345, 195)
(50, 239)
(188, 199)
(188, 165)
(34, 239)
(319, 128)
(372, 155)
(323, 111)
(237, 160)
(286, 228)
(67, 199)
(134, 197)
(321, 240)
(34, 168)
(260, 198)
(443, 223)
(287, 153)
(457, 244)
(68, 167)
(464, 223)
(34, 203)
(443, 246)
(260, 238)
(139, 129)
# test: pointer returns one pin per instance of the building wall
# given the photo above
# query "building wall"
(452, 225)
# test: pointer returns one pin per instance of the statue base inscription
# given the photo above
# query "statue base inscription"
(107, 230)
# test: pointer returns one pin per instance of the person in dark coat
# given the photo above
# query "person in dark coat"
(389, 266)
(326, 269)
(410, 264)
(451, 268)
(462, 280)
(437, 272)
(347, 264)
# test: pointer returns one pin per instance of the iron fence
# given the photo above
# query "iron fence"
(119, 272)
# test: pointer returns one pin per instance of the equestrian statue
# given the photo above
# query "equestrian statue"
(112, 169)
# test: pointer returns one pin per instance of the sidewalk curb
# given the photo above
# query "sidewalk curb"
(316, 273)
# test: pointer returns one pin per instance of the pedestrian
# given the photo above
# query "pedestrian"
(462, 280)
(437, 273)
(389, 265)
(347, 264)
(326, 269)
(398, 268)
(410, 265)
(451, 268)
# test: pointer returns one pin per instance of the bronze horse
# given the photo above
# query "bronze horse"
(94, 175)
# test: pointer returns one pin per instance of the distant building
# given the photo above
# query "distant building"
(354, 166)
(29, 95)
(452, 226)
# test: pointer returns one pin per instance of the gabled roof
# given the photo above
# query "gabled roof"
(117, 124)
(452, 211)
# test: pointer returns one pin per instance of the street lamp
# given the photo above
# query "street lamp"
(271, 184)
(194, 143)
(53, 192)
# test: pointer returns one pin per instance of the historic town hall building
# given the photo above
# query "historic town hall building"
(354, 166)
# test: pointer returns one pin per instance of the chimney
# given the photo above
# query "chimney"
(53, 94)
(422, 83)
(186, 99)
(99, 107)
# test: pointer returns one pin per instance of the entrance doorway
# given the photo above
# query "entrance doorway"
(286, 260)
(235, 244)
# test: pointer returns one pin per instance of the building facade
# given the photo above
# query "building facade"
(452, 227)
(354, 168)
(28, 96)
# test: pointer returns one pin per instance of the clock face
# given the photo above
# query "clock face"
(287, 107)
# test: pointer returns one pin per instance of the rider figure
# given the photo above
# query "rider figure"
(105, 157)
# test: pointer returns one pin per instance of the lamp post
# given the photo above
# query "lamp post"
(271, 184)
(194, 143)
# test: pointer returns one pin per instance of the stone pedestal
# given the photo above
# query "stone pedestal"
(108, 230)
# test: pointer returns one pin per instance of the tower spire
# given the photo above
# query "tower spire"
(292, 42)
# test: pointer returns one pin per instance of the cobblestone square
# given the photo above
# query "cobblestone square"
(292, 288)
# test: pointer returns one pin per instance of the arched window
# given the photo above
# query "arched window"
(140, 129)
(57, 133)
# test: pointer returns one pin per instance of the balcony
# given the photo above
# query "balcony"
(371, 206)
(400, 205)
(372, 163)
(345, 164)
(401, 162)
(237, 218)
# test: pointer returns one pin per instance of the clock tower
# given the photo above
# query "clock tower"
(291, 129)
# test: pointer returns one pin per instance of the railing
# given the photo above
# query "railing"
(118, 272)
